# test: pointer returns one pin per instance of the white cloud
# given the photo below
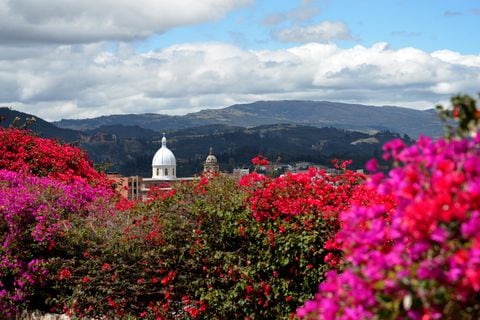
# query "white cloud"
(451, 13)
(76, 81)
(274, 19)
(306, 10)
(73, 21)
(475, 11)
(323, 32)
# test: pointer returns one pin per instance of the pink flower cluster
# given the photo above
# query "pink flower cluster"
(33, 214)
(424, 263)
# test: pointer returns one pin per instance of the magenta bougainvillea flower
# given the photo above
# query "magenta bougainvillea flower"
(34, 212)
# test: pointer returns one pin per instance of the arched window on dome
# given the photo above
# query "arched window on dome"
(166, 171)
(173, 171)
(158, 171)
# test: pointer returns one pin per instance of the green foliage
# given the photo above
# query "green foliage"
(271, 274)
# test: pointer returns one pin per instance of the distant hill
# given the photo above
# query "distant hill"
(156, 122)
(122, 131)
(235, 146)
(41, 127)
(312, 113)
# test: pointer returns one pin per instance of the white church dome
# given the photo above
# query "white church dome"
(164, 157)
(164, 165)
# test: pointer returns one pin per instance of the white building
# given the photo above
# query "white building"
(164, 171)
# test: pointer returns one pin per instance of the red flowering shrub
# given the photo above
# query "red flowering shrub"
(209, 249)
(289, 243)
(160, 193)
(314, 192)
(35, 213)
(146, 262)
(118, 275)
(21, 151)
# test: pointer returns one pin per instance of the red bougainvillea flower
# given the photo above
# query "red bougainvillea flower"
(21, 151)
(64, 274)
(260, 161)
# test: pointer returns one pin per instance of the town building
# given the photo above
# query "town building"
(238, 173)
(164, 171)
(128, 187)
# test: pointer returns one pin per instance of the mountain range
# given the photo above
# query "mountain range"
(311, 113)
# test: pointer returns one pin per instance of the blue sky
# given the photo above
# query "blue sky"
(427, 25)
(77, 59)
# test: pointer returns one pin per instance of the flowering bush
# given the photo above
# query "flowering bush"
(209, 250)
(116, 268)
(34, 214)
(151, 263)
(425, 262)
(206, 249)
(21, 151)
(279, 248)
(295, 218)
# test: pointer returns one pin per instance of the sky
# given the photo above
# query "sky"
(82, 59)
